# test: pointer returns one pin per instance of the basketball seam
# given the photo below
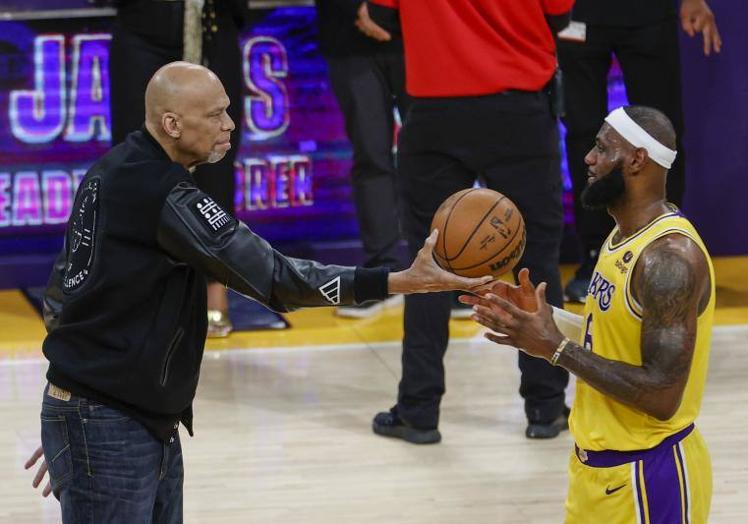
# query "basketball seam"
(446, 223)
(480, 223)
(492, 256)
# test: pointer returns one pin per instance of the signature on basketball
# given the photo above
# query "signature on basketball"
(514, 255)
(502, 226)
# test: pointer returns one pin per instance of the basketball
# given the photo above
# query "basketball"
(481, 232)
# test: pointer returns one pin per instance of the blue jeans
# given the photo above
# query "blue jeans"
(106, 467)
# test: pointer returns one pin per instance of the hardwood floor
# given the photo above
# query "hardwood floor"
(283, 436)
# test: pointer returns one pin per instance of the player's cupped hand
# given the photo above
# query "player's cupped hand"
(522, 295)
(532, 330)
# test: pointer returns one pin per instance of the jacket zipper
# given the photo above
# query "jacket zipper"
(169, 353)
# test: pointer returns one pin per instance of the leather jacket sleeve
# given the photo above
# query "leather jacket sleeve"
(52, 301)
(195, 230)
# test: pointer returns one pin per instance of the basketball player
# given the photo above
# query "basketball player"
(125, 307)
(642, 353)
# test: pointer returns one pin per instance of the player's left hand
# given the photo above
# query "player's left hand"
(425, 275)
(534, 332)
(41, 472)
(697, 17)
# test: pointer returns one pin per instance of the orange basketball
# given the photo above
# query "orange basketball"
(481, 232)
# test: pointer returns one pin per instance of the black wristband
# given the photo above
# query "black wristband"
(370, 284)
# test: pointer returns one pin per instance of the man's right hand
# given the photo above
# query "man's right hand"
(425, 275)
(370, 28)
(39, 477)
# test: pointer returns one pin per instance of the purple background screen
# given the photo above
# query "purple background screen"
(292, 167)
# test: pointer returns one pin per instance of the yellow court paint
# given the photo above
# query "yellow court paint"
(22, 331)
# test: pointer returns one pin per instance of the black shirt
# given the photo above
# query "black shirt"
(623, 13)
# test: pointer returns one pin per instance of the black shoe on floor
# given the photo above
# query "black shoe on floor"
(576, 288)
(548, 429)
(388, 424)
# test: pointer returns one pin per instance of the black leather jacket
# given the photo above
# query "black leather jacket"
(125, 307)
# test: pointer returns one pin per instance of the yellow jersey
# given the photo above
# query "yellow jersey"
(612, 330)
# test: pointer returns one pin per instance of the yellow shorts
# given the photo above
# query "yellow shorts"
(668, 484)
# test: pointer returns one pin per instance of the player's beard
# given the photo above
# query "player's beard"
(605, 191)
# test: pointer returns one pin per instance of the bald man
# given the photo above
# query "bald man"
(642, 352)
(125, 307)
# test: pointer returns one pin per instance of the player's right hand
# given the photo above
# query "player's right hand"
(41, 472)
(522, 295)
(534, 332)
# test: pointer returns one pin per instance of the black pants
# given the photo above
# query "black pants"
(510, 141)
(133, 61)
(368, 88)
(650, 62)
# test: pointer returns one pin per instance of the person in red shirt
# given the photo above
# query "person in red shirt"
(479, 72)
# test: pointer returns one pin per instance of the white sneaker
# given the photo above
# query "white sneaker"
(368, 309)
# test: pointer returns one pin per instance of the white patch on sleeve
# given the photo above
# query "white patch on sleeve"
(331, 291)
(212, 214)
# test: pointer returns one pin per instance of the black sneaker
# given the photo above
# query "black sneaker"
(541, 430)
(388, 424)
(576, 288)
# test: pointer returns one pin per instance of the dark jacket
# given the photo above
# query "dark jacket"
(126, 303)
(162, 23)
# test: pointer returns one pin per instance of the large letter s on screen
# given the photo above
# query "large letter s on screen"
(265, 65)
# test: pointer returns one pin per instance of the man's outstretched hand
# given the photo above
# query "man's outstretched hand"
(425, 275)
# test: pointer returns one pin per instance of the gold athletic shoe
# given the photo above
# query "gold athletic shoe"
(219, 325)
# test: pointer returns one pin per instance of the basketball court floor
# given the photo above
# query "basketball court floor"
(283, 426)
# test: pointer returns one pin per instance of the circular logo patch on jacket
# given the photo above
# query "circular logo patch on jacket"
(82, 236)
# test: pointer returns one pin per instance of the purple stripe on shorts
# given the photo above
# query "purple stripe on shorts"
(611, 458)
(685, 486)
(663, 486)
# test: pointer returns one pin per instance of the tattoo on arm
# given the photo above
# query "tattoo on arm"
(668, 289)
(669, 298)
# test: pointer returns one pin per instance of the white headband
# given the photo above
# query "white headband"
(638, 137)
